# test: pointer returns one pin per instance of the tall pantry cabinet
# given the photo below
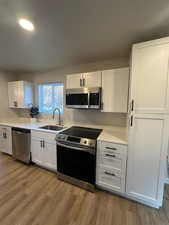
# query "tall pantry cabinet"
(148, 121)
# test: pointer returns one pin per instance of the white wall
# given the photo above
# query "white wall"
(5, 112)
(83, 116)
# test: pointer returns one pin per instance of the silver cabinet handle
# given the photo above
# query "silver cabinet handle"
(114, 149)
(132, 105)
(114, 156)
(81, 82)
(41, 143)
(84, 82)
(131, 121)
(110, 174)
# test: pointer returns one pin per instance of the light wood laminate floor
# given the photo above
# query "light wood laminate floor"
(33, 196)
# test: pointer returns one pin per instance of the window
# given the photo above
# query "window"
(50, 97)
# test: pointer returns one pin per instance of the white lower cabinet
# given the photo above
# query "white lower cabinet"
(6, 140)
(43, 149)
(111, 166)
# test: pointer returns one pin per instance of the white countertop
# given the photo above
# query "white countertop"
(109, 134)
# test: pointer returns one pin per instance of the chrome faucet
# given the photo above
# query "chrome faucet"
(60, 122)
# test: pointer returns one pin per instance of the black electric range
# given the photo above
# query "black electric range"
(76, 156)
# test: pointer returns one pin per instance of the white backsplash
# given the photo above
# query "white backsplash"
(93, 117)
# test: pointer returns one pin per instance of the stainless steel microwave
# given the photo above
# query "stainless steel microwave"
(83, 98)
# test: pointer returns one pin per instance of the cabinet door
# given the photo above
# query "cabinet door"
(146, 150)
(13, 94)
(74, 81)
(115, 90)
(8, 140)
(92, 79)
(28, 94)
(37, 151)
(21, 94)
(149, 77)
(5, 140)
(2, 141)
(50, 155)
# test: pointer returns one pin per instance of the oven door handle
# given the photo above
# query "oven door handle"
(76, 148)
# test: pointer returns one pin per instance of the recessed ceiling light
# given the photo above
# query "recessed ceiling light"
(26, 24)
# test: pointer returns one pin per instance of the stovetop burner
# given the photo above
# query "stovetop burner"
(82, 132)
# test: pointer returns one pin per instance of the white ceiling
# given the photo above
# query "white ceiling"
(76, 31)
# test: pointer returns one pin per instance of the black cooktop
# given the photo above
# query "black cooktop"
(82, 132)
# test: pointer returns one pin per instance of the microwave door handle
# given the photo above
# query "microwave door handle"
(75, 148)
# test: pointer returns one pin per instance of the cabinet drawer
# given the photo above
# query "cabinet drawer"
(114, 160)
(50, 137)
(110, 179)
(113, 148)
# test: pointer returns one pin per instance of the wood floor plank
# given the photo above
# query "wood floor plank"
(30, 195)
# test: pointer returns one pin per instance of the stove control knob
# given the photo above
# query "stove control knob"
(85, 142)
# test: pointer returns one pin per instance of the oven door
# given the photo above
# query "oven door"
(76, 163)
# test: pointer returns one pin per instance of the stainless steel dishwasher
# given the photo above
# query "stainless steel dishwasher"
(21, 144)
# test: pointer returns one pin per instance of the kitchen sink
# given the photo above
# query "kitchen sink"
(52, 127)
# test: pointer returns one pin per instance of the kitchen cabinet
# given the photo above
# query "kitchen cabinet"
(20, 94)
(74, 81)
(115, 84)
(111, 166)
(88, 80)
(150, 77)
(6, 140)
(43, 149)
(92, 79)
(147, 151)
(148, 122)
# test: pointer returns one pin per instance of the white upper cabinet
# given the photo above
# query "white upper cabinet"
(92, 79)
(149, 77)
(115, 90)
(89, 80)
(20, 94)
(13, 94)
(74, 81)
